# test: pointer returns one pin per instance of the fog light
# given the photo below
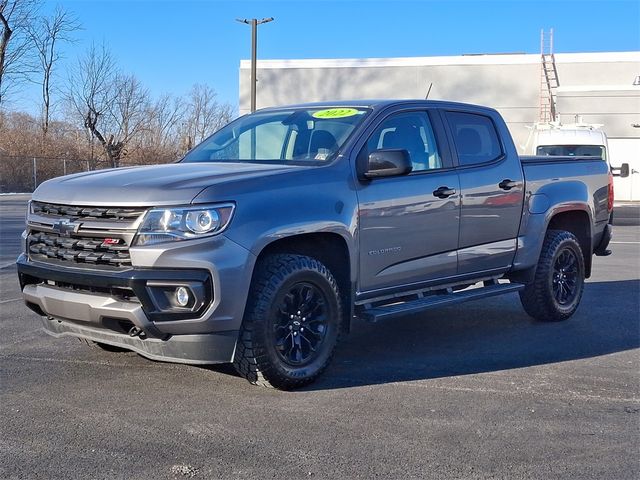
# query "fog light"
(182, 296)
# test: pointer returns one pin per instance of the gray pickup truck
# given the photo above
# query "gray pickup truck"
(263, 243)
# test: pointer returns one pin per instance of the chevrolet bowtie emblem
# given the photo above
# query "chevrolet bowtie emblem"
(65, 228)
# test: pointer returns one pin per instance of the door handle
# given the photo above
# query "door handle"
(507, 184)
(444, 192)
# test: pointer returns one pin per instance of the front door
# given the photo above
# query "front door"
(408, 224)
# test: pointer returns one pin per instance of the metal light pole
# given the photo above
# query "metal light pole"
(254, 22)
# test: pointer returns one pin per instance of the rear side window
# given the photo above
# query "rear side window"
(475, 137)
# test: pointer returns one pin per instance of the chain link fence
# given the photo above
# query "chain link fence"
(22, 174)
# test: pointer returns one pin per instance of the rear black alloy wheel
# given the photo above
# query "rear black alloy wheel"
(557, 288)
(565, 277)
(291, 324)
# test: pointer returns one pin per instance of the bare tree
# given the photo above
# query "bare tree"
(128, 116)
(15, 44)
(165, 118)
(46, 35)
(90, 88)
(205, 115)
(113, 106)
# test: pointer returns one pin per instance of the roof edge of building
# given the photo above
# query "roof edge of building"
(483, 59)
(635, 89)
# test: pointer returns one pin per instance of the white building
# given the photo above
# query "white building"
(603, 88)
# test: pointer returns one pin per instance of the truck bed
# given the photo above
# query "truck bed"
(572, 178)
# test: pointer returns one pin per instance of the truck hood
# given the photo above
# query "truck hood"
(170, 184)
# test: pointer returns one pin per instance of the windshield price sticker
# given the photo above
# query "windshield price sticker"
(335, 113)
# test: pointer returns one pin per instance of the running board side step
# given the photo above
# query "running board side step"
(386, 312)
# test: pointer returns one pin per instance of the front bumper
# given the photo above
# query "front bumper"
(120, 307)
(93, 295)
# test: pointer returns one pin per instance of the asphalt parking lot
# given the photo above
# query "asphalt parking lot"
(471, 391)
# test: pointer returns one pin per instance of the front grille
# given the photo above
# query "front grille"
(85, 213)
(82, 236)
(45, 246)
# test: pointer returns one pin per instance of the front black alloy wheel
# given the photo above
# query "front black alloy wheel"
(558, 284)
(292, 322)
(300, 324)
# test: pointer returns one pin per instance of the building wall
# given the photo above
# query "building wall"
(615, 107)
(509, 83)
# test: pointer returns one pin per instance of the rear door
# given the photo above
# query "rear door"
(408, 227)
(492, 187)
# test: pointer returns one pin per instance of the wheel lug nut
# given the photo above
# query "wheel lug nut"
(302, 329)
(290, 327)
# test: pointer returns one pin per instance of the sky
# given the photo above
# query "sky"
(171, 45)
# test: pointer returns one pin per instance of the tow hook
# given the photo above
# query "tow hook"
(137, 332)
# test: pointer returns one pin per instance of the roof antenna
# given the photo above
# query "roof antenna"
(429, 91)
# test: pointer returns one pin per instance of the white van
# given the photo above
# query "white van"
(568, 140)
(579, 140)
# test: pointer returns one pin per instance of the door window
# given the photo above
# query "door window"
(475, 137)
(410, 131)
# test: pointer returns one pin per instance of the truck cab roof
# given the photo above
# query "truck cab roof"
(378, 104)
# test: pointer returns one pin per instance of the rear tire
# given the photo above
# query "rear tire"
(555, 293)
(291, 325)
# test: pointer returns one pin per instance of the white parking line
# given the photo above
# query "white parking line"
(5, 265)
(10, 300)
(106, 363)
(626, 243)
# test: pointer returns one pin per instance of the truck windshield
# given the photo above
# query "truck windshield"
(290, 135)
(572, 151)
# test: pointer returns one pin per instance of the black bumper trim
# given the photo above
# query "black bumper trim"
(200, 349)
(136, 279)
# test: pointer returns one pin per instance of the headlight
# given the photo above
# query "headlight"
(161, 225)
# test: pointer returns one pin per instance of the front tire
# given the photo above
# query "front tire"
(292, 323)
(555, 293)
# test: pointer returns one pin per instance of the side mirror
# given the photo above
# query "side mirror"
(623, 171)
(388, 163)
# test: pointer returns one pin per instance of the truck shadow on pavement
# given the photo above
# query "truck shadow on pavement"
(485, 336)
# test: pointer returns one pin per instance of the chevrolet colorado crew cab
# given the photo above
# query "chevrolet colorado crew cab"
(262, 244)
